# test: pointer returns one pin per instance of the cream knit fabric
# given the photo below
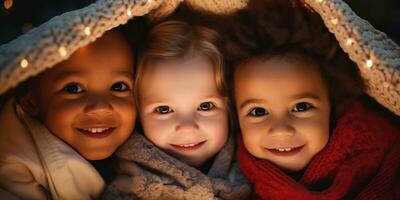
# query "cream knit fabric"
(55, 40)
(376, 55)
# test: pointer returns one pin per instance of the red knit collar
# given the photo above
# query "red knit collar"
(360, 160)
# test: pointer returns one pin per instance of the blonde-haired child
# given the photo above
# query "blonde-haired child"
(186, 150)
(80, 110)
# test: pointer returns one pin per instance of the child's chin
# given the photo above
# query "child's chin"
(291, 167)
(196, 163)
(97, 155)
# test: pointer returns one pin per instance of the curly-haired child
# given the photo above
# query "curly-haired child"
(306, 132)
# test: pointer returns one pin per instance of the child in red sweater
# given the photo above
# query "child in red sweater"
(306, 133)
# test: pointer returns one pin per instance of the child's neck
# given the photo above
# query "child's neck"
(105, 167)
(207, 165)
(296, 175)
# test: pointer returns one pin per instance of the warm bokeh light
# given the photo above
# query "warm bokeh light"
(8, 4)
(24, 63)
(369, 63)
(62, 51)
(334, 21)
(349, 41)
(87, 30)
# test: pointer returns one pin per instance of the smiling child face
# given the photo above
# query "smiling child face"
(283, 109)
(181, 110)
(87, 100)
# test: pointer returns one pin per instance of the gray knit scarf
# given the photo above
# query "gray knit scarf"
(149, 173)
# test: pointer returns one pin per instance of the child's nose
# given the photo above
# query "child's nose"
(186, 124)
(98, 105)
(281, 126)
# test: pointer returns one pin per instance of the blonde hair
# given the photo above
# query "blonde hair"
(173, 40)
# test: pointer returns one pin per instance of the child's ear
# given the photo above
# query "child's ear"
(28, 103)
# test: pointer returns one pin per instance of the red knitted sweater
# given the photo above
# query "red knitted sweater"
(360, 161)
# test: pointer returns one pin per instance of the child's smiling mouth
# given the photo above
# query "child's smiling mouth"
(97, 132)
(285, 151)
(189, 146)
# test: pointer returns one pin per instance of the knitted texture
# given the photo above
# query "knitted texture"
(377, 57)
(149, 173)
(217, 6)
(214, 6)
(55, 40)
(360, 161)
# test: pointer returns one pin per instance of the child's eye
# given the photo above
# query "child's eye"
(163, 109)
(206, 106)
(301, 107)
(119, 87)
(258, 112)
(72, 88)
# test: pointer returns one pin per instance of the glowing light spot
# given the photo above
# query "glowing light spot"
(62, 51)
(334, 21)
(129, 13)
(24, 63)
(8, 4)
(349, 41)
(88, 31)
(320, 1)
(369, 63)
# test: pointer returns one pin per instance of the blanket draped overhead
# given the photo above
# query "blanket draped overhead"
(377, 56)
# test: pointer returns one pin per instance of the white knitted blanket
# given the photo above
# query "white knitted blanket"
(377, 57)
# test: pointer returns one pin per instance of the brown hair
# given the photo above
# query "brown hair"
(174, 39)
(290, 29)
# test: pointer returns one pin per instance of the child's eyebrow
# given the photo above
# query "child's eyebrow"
(306, 95)
(163, 100)
(127, 74)
(66, 74)
(212, 97)
(249, 101)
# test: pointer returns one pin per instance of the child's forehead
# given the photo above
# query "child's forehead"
(279, 79)
(110, 49)
(111, 37)
(277, 64)
(111, 42)
(278, 73)
(180, 64)
(109, 54)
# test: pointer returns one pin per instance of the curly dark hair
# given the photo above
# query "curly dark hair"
(270, 28)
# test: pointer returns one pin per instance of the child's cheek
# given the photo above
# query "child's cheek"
(314, 130)
(254, 135)
(215, 126)
(251, 128)
(156, 129)
(125, 108)
(61, 114)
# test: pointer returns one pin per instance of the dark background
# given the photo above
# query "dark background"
(23, 15)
